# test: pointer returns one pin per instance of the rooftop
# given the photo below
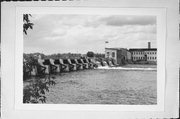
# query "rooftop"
(134, 49)
(143, 49)
(116, 48)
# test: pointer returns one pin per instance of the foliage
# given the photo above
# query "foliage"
(30, 59)
(35, 92)
(27, 24)
(63, 56)
(28, 63)
(90, 54)
(53, 56)
(99, 55)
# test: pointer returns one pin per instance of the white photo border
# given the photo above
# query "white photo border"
(160, 14)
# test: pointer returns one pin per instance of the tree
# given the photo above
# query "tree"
(35, 91)
(27, 24)
(90, 54)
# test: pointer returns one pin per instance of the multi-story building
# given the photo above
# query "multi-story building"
(122, 55)
(144, 54)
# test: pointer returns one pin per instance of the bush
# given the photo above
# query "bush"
(35, 92)
(90, 54)
(36, 89)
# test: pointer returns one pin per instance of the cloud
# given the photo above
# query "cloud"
(129, 20)
(59, 32)
(83, 33)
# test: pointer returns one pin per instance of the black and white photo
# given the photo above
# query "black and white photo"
(89, 59)
(95, 59)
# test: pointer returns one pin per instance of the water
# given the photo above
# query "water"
(125, 85)
(128, 68)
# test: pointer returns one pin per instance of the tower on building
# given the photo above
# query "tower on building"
(149, 45)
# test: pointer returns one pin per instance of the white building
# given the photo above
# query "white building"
(123, 55)
(144, 54)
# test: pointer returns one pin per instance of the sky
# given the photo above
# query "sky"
(82, 33)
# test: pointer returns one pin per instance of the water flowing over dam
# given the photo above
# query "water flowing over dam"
(128, 68)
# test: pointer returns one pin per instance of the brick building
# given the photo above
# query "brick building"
(120, 55)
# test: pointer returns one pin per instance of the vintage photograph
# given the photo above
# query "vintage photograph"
(89, 59)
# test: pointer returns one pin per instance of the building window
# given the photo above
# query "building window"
(108, 54)
(113, 54)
